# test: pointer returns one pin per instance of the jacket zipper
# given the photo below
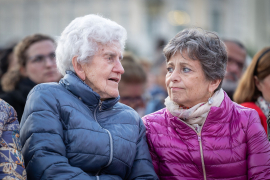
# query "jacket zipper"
(200, 143)
(110, 136)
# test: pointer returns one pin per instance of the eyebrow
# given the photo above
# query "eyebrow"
(112, 54)
(181, 63)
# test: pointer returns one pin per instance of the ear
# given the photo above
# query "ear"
(78, 68)
(23, 71)
(214, 85)
(257, 83)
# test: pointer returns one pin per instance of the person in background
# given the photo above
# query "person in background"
(35, 64)
(202, 134)
(235, 66)
(253, 90)
(132, 85)
(158, 92)
(6, 62)
(11, 159)
(77, 129)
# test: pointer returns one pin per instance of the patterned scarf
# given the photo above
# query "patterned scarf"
(196, 114)
(263, 105)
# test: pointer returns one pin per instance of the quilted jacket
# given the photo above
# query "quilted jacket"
(68, 133)
(252, 105)
(232, 145)
(11, 159)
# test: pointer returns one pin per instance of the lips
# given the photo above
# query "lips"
(115, 79)
(175, 88)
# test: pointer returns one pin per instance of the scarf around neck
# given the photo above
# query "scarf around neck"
(197, 114)
(263, 105)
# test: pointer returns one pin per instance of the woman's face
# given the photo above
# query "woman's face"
(186, 82)
(264, 87)
(103, 72)
(41, 65)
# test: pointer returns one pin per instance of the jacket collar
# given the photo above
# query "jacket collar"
(83, 92)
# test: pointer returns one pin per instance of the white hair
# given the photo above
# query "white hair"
(82, 38)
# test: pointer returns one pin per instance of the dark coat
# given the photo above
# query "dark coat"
(17, 98)
(68, 133)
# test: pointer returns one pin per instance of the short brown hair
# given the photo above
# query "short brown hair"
(247, 90)
(22, 47)
(134, 72)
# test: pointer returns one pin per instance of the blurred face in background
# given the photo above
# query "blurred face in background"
(131, 94)
(41, 65)
(236, 61)
(264, 87)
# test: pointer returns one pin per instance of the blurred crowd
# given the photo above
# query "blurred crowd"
(32, 61)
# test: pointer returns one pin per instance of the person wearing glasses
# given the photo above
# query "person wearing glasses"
(34, 64)
(202, 133)
(133, 83)
(253, 90)
(77, 129)
(235, 66)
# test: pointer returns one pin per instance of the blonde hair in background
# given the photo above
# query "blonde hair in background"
(247, 90)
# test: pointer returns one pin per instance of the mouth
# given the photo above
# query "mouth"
(175, 88)
(114, 80)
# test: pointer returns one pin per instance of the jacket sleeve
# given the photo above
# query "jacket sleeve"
(11, 159)
(155, 159)
(258, 149)
(142, 167)
(42, 137)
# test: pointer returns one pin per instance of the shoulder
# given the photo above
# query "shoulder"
(246, 115)
(49, 87)
(155, 118)
(8, 117)
(127, 112)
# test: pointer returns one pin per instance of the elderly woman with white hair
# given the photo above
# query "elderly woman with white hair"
(77, 129)
(202, 134)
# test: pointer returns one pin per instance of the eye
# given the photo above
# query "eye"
(170, 69)
(186, 70)
(38, 58)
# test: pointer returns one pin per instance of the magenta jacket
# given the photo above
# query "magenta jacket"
(232, 145)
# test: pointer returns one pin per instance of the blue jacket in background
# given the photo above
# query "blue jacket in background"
(68, 133)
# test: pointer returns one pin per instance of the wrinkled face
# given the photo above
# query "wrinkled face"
(236, 61)
(104, 70)
(41, 66)
(186, 82)
(131, 94)
(264, 87)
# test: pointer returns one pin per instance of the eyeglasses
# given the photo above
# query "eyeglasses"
(240, 65)
(137, 99)
(41, 59)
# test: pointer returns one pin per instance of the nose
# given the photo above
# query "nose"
(49, 62)
(175, 76)
(118, 68)
(234, 69)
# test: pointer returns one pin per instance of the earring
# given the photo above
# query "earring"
(210, 100)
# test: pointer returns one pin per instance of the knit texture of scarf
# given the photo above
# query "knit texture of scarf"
(263, 105)
(196, 114)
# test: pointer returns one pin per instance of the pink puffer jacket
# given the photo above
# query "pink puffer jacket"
(232, 145)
